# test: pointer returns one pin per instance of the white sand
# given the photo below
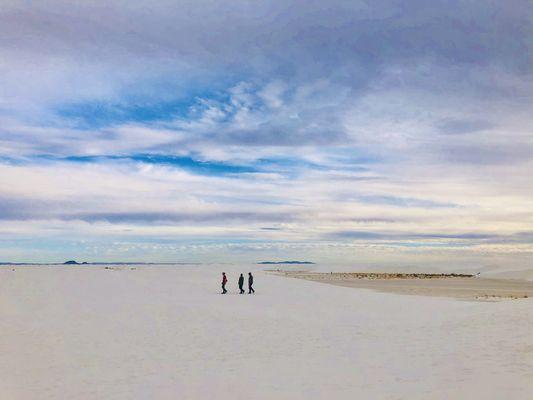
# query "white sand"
(165, 333)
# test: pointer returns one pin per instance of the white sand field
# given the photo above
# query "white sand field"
(166, 333)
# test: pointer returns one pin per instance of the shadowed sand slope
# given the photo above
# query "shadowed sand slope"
(462, 286)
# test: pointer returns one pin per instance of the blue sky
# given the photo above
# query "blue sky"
(369, 132)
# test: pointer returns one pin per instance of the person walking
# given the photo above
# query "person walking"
(241, 283)
(250, 283)
(224, 281)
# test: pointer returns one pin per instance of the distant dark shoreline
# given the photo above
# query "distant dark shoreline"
(75, 263)
(284, 262)
(102, 263)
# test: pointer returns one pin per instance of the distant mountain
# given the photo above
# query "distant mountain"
(284, 262)
(71, 262)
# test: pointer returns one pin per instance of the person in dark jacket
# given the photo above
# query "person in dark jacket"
(224, 281)
(241, 283)
(250, 283)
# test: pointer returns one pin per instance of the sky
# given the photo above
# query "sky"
(357, 132)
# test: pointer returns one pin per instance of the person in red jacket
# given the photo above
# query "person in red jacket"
(224, 281)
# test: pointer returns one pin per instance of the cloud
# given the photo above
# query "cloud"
(403, 202)
(457, 126)
(165, 218)
(293, 122)
(365, 235)
(88, 52)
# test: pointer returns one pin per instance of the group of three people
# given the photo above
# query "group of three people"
(241, 283)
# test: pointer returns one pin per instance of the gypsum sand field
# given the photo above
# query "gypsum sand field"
(166, 332)
(461, 286)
